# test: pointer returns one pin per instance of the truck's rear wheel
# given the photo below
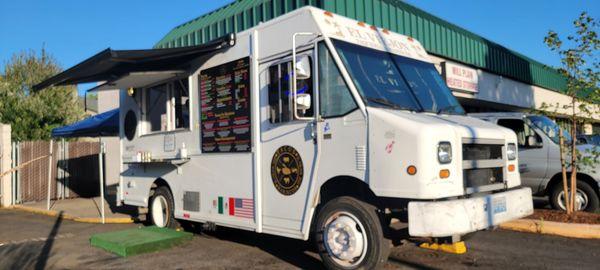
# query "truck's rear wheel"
(586, 198)
(161, 208)
(349, 235)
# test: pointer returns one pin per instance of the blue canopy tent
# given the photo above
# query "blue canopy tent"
(104, 124)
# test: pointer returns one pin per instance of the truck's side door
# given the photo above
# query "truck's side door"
(533, 159)
(288, 147)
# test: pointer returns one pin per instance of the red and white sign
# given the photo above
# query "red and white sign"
(461, 77)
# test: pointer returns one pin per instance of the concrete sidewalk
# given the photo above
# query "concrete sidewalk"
(84, 210)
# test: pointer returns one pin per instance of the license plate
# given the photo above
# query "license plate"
(498, 205)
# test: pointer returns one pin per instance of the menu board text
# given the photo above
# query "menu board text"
(225, 108)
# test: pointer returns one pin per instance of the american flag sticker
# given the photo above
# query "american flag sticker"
(243, 208)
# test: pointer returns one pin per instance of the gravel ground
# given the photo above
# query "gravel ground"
(29, 241)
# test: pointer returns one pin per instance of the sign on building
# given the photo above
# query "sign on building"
(460, 77)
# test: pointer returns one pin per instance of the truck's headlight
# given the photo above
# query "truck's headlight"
(444, 152)
(511, 151)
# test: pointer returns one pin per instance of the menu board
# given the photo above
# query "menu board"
(225, 107)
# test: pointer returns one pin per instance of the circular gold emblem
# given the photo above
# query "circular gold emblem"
(287, 170)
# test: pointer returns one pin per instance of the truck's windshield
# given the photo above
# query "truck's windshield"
(549, 127)
(393, 81)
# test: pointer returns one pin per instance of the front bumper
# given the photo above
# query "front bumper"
(458, 217)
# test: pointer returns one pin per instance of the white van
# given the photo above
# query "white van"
(363, 130)
(539, 159)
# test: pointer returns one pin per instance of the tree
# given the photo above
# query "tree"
(33, 114)
(580, 66)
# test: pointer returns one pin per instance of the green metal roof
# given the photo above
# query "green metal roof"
(439, 37)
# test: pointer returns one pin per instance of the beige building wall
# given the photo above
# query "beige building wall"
(505, 91)
(5, 164)
(108, 100)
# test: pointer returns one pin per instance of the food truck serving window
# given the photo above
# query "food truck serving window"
(156, 108)
(181, 104)
(167, 106)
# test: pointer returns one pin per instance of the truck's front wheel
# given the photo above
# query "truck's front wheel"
(349, 235)
(161, 208)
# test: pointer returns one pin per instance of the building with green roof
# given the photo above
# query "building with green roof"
(439, 37)
(504, 80)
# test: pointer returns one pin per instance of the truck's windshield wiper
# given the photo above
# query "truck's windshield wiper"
(387, 103)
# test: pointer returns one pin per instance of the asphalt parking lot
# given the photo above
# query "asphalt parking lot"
(29, 241)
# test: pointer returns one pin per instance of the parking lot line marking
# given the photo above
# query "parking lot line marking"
(36, 239)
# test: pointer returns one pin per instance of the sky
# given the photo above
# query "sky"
(73, 30)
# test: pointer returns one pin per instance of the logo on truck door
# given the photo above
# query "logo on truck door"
(287, 170)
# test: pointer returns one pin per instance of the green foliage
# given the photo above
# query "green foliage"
(580, 64)
(580, 61)
(33, 114)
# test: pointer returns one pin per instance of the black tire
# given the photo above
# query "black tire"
(163, 192)
(378, 247)
(188, 226)
(593, 200)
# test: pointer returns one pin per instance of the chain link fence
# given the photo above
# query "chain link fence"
(74, 170)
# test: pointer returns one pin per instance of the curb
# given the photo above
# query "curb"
(54, 213)
(573, 230)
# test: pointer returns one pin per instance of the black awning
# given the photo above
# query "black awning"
(109, 65)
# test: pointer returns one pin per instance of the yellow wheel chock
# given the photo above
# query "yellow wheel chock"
(455, 248)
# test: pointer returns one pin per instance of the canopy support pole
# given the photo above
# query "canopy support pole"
(63, 175)
(101, 170)
(49, 175)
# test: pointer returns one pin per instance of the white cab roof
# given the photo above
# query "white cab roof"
(360, 33)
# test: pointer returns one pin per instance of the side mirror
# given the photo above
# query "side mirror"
(533, 142)
(302, 67)
(303, 102)
(301, 71)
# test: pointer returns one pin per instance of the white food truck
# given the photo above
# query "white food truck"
(308, 123)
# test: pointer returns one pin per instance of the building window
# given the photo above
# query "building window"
(334, 96)
(280, 93)
(595, 128)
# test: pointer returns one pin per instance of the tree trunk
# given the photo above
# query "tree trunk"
(563, 166)
(573, 157)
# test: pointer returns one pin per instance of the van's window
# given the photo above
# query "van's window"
(156, 107)
(522, 130)
(181, 98)
(549, 127)
(280, 93)
(334, 96)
